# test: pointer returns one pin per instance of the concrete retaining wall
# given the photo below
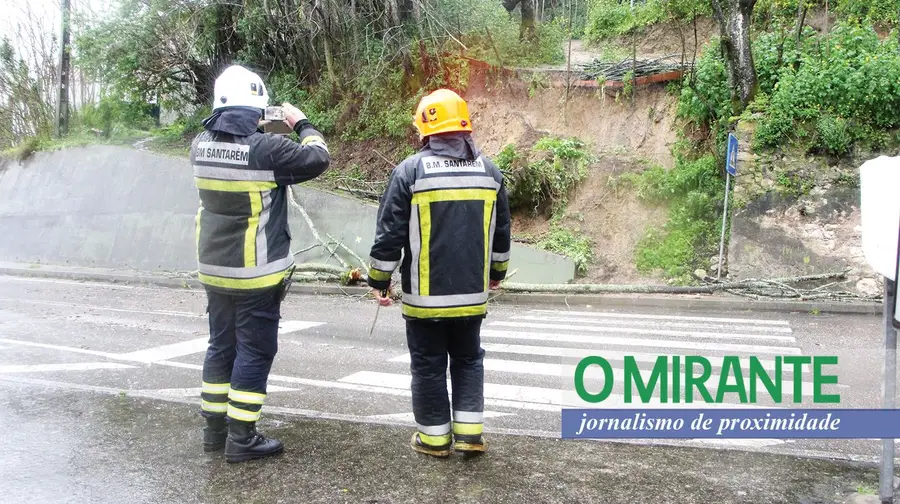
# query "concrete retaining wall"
(797, 216)
(114, 207)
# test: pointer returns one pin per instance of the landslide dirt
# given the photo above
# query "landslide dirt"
(624, 135)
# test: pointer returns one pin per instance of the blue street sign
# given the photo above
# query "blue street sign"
(731, 163)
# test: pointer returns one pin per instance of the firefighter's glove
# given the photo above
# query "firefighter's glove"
(292, 115)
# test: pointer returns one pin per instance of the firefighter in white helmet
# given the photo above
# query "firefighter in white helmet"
(244, 252)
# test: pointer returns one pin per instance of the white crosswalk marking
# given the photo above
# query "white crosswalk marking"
(195, 391)
(289, 326)
(565, 371)
(652, 323)
(166, 352)
(641, 342)
(529, 351)
(656, 332)
(75, 366)
(527, 395)
(411, 419)
(666, 317)
(580, 353)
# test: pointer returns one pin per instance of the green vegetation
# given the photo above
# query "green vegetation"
(357, 71)
(693, 192)
(830, 94)
(827, 95)
(868, 11)
(564, 241)
(542, 178)
(613, 18)
(540, 181)
(820, 93)
(79, 138)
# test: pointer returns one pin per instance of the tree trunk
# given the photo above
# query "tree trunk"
(329, 62)
(393, 11)
(801, 17)
(734, 24)
(526, 31)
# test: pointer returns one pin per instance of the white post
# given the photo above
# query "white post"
(889, 391)
(724, 221)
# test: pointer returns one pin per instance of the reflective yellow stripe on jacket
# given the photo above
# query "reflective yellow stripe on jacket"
(421, 287)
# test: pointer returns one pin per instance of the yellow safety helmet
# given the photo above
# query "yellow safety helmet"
(442, 111)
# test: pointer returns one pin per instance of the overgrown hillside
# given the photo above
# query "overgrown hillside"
(627, 180)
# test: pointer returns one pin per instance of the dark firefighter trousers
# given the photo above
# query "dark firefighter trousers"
(430, 344)
(243, 341)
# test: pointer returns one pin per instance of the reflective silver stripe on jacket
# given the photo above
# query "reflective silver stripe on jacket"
(427, 184)
(445, 301)
(383, 265)
(415, 248)
(254, 272)
(317, 143)
(262, 242)
(500, 256)
(490, 237)
(215, 172)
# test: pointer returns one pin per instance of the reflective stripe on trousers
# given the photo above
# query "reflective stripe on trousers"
(243, 343)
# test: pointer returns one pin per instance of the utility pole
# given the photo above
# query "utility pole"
(62, 102)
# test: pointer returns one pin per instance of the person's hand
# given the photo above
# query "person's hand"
(494, 284)
(383, 297)
(292, 115)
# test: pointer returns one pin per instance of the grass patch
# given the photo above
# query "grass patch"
(78, 138)
(690, 236)
(564, 241)
(540, 179)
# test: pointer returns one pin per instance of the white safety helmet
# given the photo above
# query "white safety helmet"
(239, 87)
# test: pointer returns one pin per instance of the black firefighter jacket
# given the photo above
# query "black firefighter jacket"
(241, 174)
(444, 219)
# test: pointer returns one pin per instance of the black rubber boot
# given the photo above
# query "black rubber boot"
(245, 443)
(214, 434)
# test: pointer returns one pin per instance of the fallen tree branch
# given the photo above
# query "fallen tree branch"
(335, 254)
(669, 289)
(312, 227)
(757, 289)
(360, 192)
(319, 268)
(383, 157)
(362, 263)
(316, 278)
(307, 249)
(608, 289)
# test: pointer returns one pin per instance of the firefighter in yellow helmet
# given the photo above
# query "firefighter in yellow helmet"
(444, 219)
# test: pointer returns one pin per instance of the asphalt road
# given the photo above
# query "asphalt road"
(64, 445)
(149, 342)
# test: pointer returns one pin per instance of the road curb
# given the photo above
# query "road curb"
(573, 301)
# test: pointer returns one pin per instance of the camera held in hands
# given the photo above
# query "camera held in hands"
(274, 113)
(273, 121)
